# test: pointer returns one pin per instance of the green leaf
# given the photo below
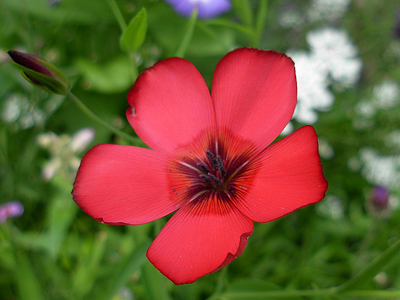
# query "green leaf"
(134, 35)
(62, 212)
(155, 283)
(206, 41)
(72, 11)
(136, 260)
(87, 272)
(244, 11)
(373, 268)
(251, 288)
(26, 279)
(187, 37)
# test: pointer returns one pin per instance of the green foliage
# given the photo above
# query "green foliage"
(55, 251)
(134, 35)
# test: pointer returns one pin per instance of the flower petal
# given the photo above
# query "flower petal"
(207, 9)
(170, 105)
(254, 94)
(124, 185)
(199, 239)
(288, 176)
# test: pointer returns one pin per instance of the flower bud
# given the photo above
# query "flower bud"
(378, 203)
(380, 197)
(41, 73)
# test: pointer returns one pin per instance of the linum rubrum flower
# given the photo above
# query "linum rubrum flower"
(210, 160)
(206, 8)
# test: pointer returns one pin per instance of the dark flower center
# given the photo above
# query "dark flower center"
(218, 169)
(213, 176)
(214, 172)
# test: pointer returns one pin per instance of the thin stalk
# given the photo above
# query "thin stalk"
(134, 70)
(229, 24)
(94, 117)
(118, 15)
(372, 268)
(245, 12)
(221, 281)
(260, 23)
(345, 289)
(187, 37)
(387, 294)
(207, 30)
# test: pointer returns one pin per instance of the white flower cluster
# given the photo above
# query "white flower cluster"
(327, 10)
(386, 95)
(381, 170)
(19, 111)
(63, 151)
(332, 59)
(319, 10)
(331, 206)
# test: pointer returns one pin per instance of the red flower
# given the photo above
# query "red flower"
(210, 159)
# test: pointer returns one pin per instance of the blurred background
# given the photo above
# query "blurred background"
(347, 58)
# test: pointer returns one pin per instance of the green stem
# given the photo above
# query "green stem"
(260, 23)
(343, 290)
(372, 268)
(94, 117)
(229, 24)
(207, 30)
(187, 37)
(387, 294)
(244, 10)
(118, 15)
(134, 70)
(221, 281)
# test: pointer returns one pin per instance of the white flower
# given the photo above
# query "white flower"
(291, 18)
(327, 10)
(312, 91)
(325, 149)
(18, 110)
(332, 57)
(365, 108)
(63, 151)
(386, 95)
(331, 206)
(381, 170)
(393, 139)
(335, 54)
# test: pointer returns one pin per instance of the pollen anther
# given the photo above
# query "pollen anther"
(214, 178)
(204, 167)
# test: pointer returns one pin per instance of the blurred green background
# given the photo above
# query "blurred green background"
(55, 251)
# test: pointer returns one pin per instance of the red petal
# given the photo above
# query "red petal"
(124, 185)
(288, 176)
(170, 105)
(200, 238)
(255, 94)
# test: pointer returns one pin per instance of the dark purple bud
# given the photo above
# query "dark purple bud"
(380, 197)
(40, 72)
(397, 25)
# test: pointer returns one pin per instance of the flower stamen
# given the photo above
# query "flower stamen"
(204, 167)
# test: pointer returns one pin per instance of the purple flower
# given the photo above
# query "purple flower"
(380, 197)
(397, 25)
(207, 8)
(378, 202)
(10, 209)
